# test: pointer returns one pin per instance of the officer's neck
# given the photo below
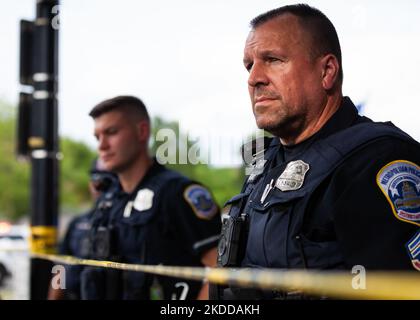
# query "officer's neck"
(314, 123)
(131, 177)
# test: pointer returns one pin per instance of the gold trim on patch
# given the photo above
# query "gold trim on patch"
(385, 192)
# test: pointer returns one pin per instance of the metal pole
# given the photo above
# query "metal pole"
(43, 143)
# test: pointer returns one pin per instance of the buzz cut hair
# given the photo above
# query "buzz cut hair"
(130, 105)
(324, 38)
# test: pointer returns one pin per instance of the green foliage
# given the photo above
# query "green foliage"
(74, 179)
(14, 175)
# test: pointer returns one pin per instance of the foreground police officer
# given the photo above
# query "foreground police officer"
(157, 216)
(76, 239)
(333, 189)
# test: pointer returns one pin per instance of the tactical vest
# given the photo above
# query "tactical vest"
(275, 238)
(132, 237)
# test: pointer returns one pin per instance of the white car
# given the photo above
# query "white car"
(13, 242)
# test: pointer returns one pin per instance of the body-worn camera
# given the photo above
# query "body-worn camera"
(102, 243)
(232, 243)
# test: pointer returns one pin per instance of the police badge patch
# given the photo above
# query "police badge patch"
(200, 201)
(400, 183)
(293, 176)
(413, 247)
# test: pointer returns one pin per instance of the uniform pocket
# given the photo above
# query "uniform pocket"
(320, 255)
(269, 230)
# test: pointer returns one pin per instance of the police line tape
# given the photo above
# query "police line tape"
(335, 284)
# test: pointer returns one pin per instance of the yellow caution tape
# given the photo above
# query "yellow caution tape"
(43, 239)
(336, 284)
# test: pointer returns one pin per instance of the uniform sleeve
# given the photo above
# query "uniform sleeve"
(376, 206)
(194, 215)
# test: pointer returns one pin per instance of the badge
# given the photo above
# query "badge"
(144, 200)
(200, 201)
(413, 247)
(400, 183)
(293, 176)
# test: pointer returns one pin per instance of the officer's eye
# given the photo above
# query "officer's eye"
(111, 131)
(272, 59)
(248, 66)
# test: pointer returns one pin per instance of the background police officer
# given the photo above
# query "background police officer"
(157, 216)
(333, 189)
(76, 239)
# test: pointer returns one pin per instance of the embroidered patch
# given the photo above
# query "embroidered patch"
(293, 176)
(144, 200)
(400, 183)
(413, 247)
(200, 201)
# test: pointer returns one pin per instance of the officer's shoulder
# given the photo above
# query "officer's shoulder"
(376, 155)
(174, 179)
(195, 194)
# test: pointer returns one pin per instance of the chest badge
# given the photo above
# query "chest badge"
(143, 200)
(293, 176)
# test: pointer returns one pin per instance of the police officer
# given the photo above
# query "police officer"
(76, 239)
(157, 216)
(332, 189)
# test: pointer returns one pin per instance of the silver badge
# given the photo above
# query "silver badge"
(293, 176)
(144, 200)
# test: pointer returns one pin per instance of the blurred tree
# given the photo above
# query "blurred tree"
(15, 175)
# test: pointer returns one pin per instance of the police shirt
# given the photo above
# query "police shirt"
(366, 211)
(168, 219)
(76, 243)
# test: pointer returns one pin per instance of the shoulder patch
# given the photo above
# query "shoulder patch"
(413, 248)
(201, 201)
(399, 181)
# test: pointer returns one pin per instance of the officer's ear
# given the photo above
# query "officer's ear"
(143, 130)
(330, 71)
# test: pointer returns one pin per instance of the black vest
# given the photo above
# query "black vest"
(275, 237)
(135, 238)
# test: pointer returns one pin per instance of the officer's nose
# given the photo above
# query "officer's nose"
(257, 76)
(103, 143)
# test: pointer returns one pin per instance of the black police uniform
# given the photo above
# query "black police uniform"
(347, 196)
(168, 219)
(76, 243)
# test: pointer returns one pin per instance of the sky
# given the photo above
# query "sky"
(184, 60)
